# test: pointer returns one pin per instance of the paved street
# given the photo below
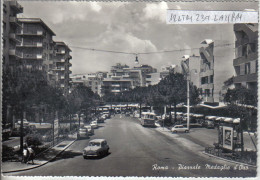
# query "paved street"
(135, 151)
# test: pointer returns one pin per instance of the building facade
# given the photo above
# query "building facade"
(145, 69)
(61, 66)
(152, 78)
(246, 56)
(207, 71)
(116, 84)
(11, 55)
(36, 45)
(167, 69)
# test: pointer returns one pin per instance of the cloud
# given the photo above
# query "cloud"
(156, 11)
(95, 6)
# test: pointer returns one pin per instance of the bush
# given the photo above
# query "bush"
(33, 140)
(7, 153)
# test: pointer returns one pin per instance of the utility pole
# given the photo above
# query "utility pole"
(21, 133)
(188, 102)
(186, 68)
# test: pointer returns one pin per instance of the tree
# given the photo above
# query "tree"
(81, 99)
(241, 95)
(173, 89)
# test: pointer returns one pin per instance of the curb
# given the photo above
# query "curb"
(19, 170)
(231, 161)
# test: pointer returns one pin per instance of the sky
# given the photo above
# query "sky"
(134, 28)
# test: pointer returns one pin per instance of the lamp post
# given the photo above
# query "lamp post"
(185, 65)
(186, 68)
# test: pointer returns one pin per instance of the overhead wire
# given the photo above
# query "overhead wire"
(146, 53)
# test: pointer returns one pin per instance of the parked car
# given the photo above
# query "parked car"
(96, 148)
(107, 114)
(94, 124)
(83, 133)
(179, 128)
(90, 130)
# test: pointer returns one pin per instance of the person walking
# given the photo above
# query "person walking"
(25, 154)
(31, 154)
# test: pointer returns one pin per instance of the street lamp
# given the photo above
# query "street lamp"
(186, 69)
(136, 60)
(185, 65)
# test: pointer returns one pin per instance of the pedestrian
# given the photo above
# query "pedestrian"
(31, 154)
(25, 154)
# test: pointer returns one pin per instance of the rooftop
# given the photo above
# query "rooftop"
(61, 43)
(36, 21)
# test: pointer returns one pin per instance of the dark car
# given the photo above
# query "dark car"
(96, 148)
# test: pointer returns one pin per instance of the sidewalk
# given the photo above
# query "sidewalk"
(198, 139)
(206, 137)
(40, 159)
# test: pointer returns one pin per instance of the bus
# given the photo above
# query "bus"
(148, 119)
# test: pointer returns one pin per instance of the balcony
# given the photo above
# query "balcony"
(207, 86)
(115, 85)
(70, 57)
(62, 77)
(32, 56)
(245, 59)
(70, 64)
(62, 60)
(62, 85)
(59, 69)
(14, 52)
(16, 6)
(208, 72)
(60, 52)
(246, 78)
(15, 38)
(70, 71)
(30, 44)
(14, 21)
(115, 91)
(31, 33)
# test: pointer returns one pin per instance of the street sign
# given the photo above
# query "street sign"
(56, 128)
(228, 138)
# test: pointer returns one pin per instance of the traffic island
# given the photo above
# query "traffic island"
(246, 157)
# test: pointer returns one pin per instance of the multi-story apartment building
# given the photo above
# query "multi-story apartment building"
(245, 62)
(145, 69)
(36, 45)
(91, 80)
(94, 81)
(207, 71)
(61, 66)
(11, 55)
(152, 78)
(116, 84)
(167, 69)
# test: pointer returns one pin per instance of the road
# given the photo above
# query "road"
(137, 151)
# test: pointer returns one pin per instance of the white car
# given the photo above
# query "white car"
(90, 130)
(94, 124)
(96, 148)
(179, 128)
(83, 133)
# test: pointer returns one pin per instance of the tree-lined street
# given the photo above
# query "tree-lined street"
(138, 151)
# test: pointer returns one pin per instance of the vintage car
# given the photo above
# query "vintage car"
(179, 128)
(96, 148)
(94, 124)
(83, 133)
(90, 130)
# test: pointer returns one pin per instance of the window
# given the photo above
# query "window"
(211, 78)
(247, 68)
(237, 69)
